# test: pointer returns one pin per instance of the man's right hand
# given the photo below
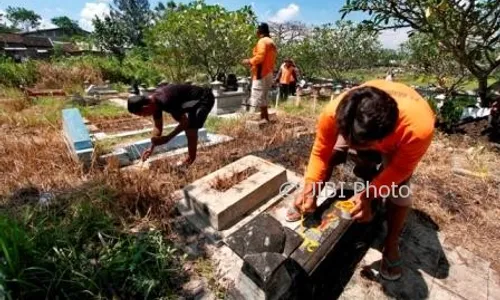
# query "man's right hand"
(305, 201)
(146, 154)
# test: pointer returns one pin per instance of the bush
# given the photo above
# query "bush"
(70, 72)
(74, 249)
(16, 74)
(452, 110)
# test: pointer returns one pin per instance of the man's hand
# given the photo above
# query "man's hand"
(362, 211)
(146, 154)
(246, 62)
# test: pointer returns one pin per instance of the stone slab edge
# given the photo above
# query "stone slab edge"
(217, 237)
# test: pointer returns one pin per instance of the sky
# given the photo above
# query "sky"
(307, 11)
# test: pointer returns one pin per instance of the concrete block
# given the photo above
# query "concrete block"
(75, 130)
(120, 154)
(85, 155)
(100, 90)
(228, 103)
(223, 209)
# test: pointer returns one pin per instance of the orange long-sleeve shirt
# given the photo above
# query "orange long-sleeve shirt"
(406, 145)
(264, 57)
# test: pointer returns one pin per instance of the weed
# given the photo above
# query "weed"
(215, 124)
(223, 184)
(103, 110)
(74, 248)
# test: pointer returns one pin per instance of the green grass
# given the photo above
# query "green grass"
(410, 79)
(104, 109)
(215, 124)
(306, 107)
(76, 248)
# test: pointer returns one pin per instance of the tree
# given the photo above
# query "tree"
(305, 55)
(23, 18)
(344, 46)
(124, 27)
(208, 37)
(428, 58)
(286, 34)
(69, 27)
(283, 33)
(468, 30)
(110, 35)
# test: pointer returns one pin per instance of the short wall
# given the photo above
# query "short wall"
(228, 103)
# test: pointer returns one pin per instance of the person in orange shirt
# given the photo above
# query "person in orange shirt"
(384, 124)
(262, 65)
(286, 77)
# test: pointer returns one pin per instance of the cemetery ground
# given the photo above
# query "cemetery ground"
(110, 232)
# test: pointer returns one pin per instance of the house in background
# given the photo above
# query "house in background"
(43, 43)
(56, 34)
(21, 47)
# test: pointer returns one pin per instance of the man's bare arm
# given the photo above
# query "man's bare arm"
(183, 124)
(158, 125)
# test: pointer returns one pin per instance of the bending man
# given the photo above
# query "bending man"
(382, 122)
(188, 104)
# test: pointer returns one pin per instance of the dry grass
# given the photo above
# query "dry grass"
(465, 208)
(66, 77)
(223, 184)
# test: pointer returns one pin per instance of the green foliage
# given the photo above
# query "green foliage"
(23, 18)
(305, 56)
(70, 27)
(468, 31)
(16, 74)
(124, 27)
(452, 109)
(344, 47)
(429, 59)
(73, 248)
(207, 37)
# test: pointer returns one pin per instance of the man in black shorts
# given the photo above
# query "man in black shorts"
(188, 104)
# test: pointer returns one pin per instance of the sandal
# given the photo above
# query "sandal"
(390, 264)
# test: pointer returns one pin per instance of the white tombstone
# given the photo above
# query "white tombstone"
(216, 88)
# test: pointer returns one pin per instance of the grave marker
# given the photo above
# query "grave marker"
(224, 209)
(77, 135)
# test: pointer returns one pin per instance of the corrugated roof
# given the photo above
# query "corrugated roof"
(10, 39)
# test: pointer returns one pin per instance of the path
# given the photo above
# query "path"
(433, 269)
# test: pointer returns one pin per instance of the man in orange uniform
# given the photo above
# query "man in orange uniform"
(286, 77)
(381, 122)
(262, 66)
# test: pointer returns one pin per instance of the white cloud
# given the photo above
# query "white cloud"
(286, 14)
(391, 39)
(46, 24)
(99, 8)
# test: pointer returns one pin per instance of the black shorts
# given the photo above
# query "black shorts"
(199, 114)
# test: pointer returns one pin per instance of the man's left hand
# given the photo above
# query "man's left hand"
(362, 211)
(246, 62)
